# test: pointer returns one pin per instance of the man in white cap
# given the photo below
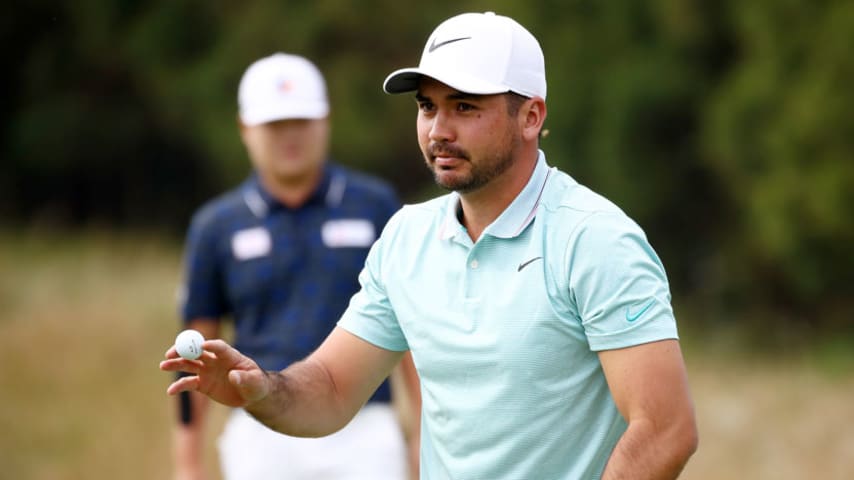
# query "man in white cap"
(537, 314)
(280, 255)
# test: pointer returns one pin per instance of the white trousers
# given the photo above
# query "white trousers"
(370, 447)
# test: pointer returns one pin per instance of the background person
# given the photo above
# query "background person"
(281, 254)
(537, 314)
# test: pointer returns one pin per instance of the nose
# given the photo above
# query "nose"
(441, 129)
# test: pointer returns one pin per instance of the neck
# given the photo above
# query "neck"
(292, 192)
(481, 207)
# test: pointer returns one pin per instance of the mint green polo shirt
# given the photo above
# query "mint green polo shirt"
(504, 332)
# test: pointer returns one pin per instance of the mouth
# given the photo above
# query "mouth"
(445, 162)
(446, 156)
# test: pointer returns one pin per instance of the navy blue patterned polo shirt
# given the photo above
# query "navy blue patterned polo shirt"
(284, 275)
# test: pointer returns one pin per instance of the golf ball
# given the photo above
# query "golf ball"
(188, 344)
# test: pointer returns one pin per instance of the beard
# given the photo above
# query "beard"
(480, 173)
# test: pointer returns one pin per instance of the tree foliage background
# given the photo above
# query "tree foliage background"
(725, 128)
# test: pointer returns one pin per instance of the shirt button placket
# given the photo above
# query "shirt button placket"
(474, 270)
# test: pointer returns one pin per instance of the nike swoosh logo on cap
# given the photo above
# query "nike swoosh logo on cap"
(434, 45)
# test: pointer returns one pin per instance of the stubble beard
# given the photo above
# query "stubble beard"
(480, 173)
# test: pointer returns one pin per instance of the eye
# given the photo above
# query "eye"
(465, 107)
(426, 106)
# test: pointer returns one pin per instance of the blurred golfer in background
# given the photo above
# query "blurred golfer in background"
(280, 255)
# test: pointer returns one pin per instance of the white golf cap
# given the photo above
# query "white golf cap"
(281, 87)
(478, 53)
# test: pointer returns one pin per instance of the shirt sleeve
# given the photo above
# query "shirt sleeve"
(619, 285)
(370, 315)
(202, 294)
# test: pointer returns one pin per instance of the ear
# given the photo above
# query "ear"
(532, 116)
(240, 126)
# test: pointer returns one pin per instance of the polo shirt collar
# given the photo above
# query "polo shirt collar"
(513, 220)
(330, 192)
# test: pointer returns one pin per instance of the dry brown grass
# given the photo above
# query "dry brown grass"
(765, 419)
(85, 320)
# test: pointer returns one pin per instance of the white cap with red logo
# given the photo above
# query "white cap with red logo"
(281, 87)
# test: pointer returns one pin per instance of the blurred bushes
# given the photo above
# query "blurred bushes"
(724, 128)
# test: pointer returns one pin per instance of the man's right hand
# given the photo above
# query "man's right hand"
(222, 373)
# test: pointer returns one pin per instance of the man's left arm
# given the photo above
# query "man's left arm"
(650, 388)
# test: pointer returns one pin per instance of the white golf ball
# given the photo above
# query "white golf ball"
(188, 344)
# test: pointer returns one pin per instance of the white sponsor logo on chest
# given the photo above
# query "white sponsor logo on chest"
(353, 232)
(251, 243)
